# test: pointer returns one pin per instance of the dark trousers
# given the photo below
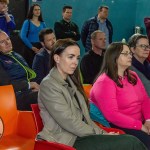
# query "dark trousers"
(25, 99)
(109, 142)
(142, 136)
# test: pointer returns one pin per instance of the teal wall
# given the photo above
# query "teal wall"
(143, 10)
(122, 13)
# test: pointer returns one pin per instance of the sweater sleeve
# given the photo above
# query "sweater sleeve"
(104, 93)
(23, 34)
(11, 24)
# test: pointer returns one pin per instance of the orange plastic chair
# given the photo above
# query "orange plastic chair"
(87, 88)
(44, 145)
(19, 126)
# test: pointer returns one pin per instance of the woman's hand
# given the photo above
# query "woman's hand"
(147, 125)
(144, 129)
(36, 50)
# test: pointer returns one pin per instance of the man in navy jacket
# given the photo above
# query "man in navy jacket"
(99, 22)
(41, 62)
(14, 70)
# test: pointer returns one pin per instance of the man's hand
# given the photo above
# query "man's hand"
(34, 86)
(5, 10)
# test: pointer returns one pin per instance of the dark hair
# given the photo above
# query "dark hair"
(44, 32)
(59, 48)
(133, 40)
(101, 7)
(110, 66)
(30, 13)
(66, 7)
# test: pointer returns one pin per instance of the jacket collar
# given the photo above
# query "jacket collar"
(54, 73)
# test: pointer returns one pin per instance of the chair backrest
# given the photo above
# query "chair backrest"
(1, 127)
(8, 109)
(37, 117)
(87, 88)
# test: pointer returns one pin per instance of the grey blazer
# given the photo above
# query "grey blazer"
(61, 115)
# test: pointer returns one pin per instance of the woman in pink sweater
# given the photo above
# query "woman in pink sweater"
(120, 94)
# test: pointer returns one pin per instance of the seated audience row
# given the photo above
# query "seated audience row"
(64, 107)
(120, 94)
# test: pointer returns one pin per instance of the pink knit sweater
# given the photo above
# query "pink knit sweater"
(125, 107)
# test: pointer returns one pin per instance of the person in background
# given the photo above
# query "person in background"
(100, 22)
(29, 33)
(65, 28)
(91, 62)
(7, 22)
(140, 48)
(14, 70)
(120, 95)
(63, 107)
(41, 62)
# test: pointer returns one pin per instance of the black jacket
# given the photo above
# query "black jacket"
(65, 29)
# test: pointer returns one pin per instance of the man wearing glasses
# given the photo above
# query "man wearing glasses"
(140, 48)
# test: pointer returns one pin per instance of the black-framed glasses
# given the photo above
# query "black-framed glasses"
(127, 53)
(144, 47)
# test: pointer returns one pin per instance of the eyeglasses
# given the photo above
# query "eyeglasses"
(127, 53)
(144, 47)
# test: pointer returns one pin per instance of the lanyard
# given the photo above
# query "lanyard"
(30, 73)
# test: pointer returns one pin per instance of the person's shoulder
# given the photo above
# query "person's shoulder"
(73, 23)
(18, 55)
(92, 19)
(132, 72)
(108, 21)
(26, 21)
(104, 78)
(59, 21)
(51, 83)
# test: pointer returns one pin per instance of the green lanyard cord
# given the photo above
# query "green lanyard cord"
(30, 73)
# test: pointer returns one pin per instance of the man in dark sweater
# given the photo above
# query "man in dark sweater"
(65, 28)
(14, 70)
(92, 61)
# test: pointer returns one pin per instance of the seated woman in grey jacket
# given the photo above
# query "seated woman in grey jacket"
(140, 47)
(64, 107)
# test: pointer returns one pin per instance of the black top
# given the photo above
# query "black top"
(64, 29)
(90, 66)
(144, 68)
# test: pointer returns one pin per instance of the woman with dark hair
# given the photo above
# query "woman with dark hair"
(120, 94)
(63, 106)
(29, 32)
